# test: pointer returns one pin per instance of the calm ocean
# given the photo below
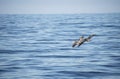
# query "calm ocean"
(39, 46)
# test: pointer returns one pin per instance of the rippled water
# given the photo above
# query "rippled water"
(39, 46)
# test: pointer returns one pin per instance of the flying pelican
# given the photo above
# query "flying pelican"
(81, 40)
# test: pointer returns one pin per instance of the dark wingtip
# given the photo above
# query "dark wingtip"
(93, 34)
(72, 46)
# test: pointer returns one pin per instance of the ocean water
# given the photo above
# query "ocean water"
(39, 46)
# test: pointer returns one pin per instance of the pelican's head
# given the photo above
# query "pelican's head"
(81, 37)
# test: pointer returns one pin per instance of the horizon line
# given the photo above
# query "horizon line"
(68, 13)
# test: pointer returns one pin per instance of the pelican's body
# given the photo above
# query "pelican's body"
(78, 42)
(82, 40)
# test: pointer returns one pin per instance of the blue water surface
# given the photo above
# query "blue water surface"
(39, 46)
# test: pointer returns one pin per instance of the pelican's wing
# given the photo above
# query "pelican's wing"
(87, 39)
(81, 42)
(74, 44)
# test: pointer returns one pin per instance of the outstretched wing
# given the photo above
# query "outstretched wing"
(87, 39)
(74, 44)
(81, 42)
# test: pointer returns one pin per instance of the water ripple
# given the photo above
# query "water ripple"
(40, 46)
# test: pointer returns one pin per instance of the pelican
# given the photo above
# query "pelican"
(81, 40)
